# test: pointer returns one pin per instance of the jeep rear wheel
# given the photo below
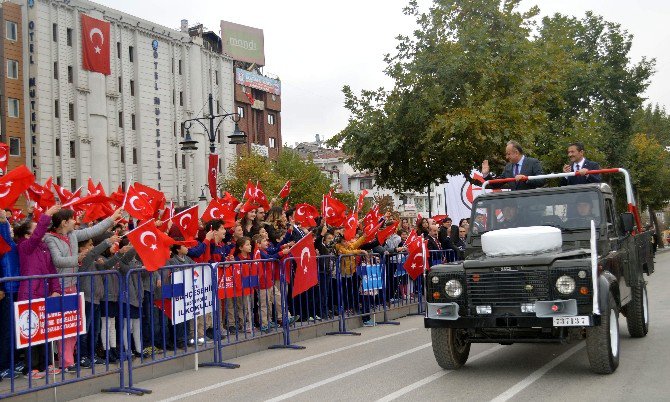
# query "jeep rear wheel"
(602, 342)
(637, 312)
(451, 347)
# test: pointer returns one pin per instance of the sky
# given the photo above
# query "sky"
(317, 47)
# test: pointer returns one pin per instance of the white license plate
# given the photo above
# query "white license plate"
(576, 321)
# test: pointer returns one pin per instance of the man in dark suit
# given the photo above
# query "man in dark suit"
(579, 163)
(518, 167)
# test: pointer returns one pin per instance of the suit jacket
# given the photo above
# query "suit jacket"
(530, 167)
(592, 178)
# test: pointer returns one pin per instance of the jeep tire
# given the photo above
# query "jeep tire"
(450, 347)
(602, 342)
(637, 311)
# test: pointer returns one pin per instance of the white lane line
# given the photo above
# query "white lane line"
(521, 385)
(346, 374)
(282, 366)
(429, 379)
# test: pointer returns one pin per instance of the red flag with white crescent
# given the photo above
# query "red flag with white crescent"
(152, 245)
(13, 184)
(286, 190)
(350, 226)
(416, 262)
(212, 172)
(187, 222)
(305, 215)
(4, 157)
(361, 199)
(95, 41)
(136, 205)
(306, 272)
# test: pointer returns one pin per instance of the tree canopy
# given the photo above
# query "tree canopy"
(478, 73)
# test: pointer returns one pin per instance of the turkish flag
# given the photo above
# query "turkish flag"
(187, 222)
(286, 190)
(136, 205)
(152, 245)
(350, 226)
(155, 198)
(416, 261)
(216, 210)
(90, 187)
(334, 211)
(306, 272)
(229, 201)
(95, 40)
(361, 199)
(413, 241)
(212, 173)
(13, 184)
(118, 196)
(76, 196)
(304, 214)
(249, 192)
(94, 212)
(250, 205)
(386, 233)
(41, 195)
(4, 157)
(260, 198)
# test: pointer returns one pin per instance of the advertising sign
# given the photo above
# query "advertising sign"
(195, 300)
(257, 81)
(243, 43)
(41, 317)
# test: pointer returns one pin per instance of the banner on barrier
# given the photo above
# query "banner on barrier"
(41, 317)
(190, 294)
(371, 277)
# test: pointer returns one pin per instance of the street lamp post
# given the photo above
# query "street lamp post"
(237, 137)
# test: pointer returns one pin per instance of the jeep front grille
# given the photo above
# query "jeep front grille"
(508, 287)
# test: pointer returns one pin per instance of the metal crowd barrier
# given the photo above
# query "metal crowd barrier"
(187, 309)
(36, 323)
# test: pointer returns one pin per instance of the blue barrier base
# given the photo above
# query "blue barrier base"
(126, 390)
(388, 323)
(222, 365)
(343, 333)
(286, 347)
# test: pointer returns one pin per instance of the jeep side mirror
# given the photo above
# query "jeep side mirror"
(627, 222)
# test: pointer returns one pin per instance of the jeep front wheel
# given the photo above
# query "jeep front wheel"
(450, 347)
(637, 317)
(602, 342)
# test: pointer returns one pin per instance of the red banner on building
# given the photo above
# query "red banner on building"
(34, 322)
(95, 39)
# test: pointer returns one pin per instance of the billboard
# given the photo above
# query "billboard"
(257, 81)
(243, 43)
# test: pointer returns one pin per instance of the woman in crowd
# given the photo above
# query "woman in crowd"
(34, 260)
(249, 225)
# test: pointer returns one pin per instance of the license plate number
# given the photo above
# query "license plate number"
(577, 321)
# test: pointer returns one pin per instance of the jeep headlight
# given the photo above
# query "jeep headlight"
(453, 288)
(565, 285)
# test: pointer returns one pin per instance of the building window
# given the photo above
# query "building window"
(130, 53)
(54, 32)
(174, 133)
(240, 111)
(132, 88)
(175, 161)
(172, 65)
(120, 85)
(73, 153)
(12, 107)
(70, 74)
(173, 96)
(118, 50)
(11, 30)
(272, 142)
(121, 119)
(216, 77)
(132, 121)
(55, 70)
(134, 156)
(179, 67)
(13, 69)
(73, 185)
(69, 36)
(271, 119)
(123, 154)
(70, 109)
(181, 98)
(14, 146)
(183, 161)
(57, 146)
(218, 106)
(56, 109)
(366, 184)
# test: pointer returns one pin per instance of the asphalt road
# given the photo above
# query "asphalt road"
(397, 363)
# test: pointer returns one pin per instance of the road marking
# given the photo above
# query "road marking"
(347, 374)
(429, 379)
(282, 366)
(521, 385)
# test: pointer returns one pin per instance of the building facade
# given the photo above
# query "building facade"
(121, 127)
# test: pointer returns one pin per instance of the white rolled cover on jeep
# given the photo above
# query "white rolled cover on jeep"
(526, 240)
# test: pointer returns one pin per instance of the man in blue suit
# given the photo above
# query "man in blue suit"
(579, 163)
(519, 166)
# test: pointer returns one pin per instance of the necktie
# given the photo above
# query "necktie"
(516, 169)
(577, 168)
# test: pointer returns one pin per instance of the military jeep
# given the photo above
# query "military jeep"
(557, 295)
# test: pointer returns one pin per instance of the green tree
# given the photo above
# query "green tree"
(650, 171)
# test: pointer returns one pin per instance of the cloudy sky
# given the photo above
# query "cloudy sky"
(316, 47)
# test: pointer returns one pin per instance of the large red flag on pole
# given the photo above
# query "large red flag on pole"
(95, 40)
(306, 272)
(212, 174)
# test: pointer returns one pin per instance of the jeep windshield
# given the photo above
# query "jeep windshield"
(567, 211)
